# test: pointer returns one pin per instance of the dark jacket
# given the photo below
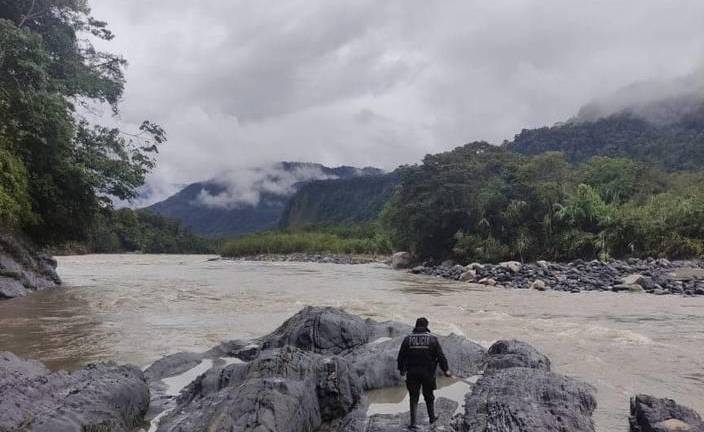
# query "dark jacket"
(421, 353)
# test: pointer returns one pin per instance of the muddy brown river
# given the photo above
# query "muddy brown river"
(136, 308)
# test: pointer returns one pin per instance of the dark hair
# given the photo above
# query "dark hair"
(422, 322)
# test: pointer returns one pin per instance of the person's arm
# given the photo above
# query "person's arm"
(442, 360)
(401, 361)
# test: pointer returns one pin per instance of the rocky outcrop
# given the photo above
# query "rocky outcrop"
(99, 397)
(519, 393)
(655, 276)
(22, 269)
(312, 371)
(284, 389)
(650, 414)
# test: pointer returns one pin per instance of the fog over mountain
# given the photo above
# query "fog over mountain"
(661, 102)
(365, 83)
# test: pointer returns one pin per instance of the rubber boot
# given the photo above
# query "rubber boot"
(431, 411)
(414, 408)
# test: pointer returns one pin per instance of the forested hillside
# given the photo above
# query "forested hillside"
(339, 202)
(487, 203)
(217, 207)
(677, 144)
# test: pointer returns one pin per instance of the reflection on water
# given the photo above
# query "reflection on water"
(135, 308)
(395, 399)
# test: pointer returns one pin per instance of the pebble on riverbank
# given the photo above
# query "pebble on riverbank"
(655, 276)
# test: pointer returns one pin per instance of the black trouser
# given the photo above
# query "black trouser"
(416, 381)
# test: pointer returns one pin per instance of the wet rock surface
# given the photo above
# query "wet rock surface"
(23, 270)
(519, 393)
(651, 414)
(655, 276)
(99, 397)
(311, 374)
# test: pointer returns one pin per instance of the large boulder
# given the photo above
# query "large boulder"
(505, 354)
(23, 269)
(283, 390)
(96, 398)
(401, 260)
(522, 399)
(329, 331)
(650, 414)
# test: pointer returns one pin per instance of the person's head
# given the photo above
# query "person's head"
(422, 322)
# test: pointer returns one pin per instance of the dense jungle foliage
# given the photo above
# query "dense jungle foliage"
(677, 145)
(487, 203)
(365, 239)
(59, 171)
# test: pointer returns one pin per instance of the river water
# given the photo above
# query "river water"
(136, 308)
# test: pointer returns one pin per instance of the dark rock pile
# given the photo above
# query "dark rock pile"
(23, 269)
(656, 276)
(99, 397)
(310, 374)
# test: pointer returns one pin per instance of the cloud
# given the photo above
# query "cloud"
(360, 82)
(248, 186)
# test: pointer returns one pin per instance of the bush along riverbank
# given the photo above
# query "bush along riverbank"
(313, 373)
(315, 258)
(655, 276)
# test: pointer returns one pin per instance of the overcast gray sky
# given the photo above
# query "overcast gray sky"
(381, 83)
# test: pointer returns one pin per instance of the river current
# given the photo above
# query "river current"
(136, 308)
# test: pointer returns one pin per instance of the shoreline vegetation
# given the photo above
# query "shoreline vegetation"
(312, 240)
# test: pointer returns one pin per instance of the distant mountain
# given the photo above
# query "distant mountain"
(339, 202)
(248, 200)
(662, 124)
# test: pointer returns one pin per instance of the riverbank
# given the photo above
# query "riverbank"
(23, 268)
(314, 258)
(654, 276)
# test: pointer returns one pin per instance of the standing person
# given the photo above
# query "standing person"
(418, 358)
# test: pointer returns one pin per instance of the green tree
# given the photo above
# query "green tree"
(49, 68)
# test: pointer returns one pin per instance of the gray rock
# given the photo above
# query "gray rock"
(528, 400)
(283, 390)
(23, 269)
(98, 397)
(506, 354)
(401, 260)
(171, 365)
(487, 281)
(650, 414)
(11, 288)
(329, 331)
(513, 266)
(538, 285)
(468, 276)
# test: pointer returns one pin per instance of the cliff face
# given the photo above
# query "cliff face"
(23, 269)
